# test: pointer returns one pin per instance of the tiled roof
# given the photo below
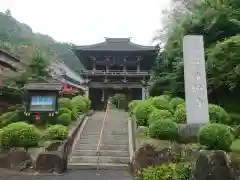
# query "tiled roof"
(115, 44)
(44, 86)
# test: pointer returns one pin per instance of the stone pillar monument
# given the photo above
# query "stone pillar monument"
(195, 80)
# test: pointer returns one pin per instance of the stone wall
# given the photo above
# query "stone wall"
(56, 161)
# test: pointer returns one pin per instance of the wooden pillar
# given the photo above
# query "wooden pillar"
(86, 92)
(94, 65)
(138, 67)
(145, 93)
(124, 68)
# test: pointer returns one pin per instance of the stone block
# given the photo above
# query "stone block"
(212, 165)
(188, 132)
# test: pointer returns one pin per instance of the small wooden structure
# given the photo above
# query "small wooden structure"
(42, 97)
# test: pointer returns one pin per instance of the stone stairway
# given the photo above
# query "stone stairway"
(114, 148)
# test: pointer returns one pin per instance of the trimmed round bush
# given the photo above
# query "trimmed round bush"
(167, 97)
(157, 115)
(133, 104)
(218, 115)
(79, 104)
(142, 112)
(64, 119)
(88, 102)
(164, 130)
(161, 103)
(64, 103)
(180, 115)
(215, 136)
(175, 102)
(183, 105)
(64, 110)
(20, 134)
(57, 132)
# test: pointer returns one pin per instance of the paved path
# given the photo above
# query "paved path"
(72, 175)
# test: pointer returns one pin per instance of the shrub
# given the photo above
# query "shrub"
(180, 115)
(164, 130)
(133, 104)
(161, 102)
(215, 136)
(169, 171)
(88, 102)
(159, 115)
(79, 105)
(9, 117)
(64, 103)
(142, 112)
(182, 105)
(218, 115)
(64, 110)
(57, 132)
(20, 134)
(64, 119)
(175, 102)
(166, 97)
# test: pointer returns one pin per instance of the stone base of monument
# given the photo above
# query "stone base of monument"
(188, 132)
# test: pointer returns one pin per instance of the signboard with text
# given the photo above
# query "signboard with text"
(195, 80)
(42, 103)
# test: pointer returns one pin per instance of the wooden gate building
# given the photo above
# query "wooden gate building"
(114, 66)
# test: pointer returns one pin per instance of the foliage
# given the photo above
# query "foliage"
(157, 115)
(164, 130)
(64, 119)
(79, 105)
(57, 132)
(142, 112)
(88, 102)
(218, 22)
(167, 172)
(161, 102)
(215, 136)
(19, 39)
(175, 102)
(120, 100)
(64, 103)
(180, 115)
(65, 110)
(19, 134)
(218, 115)
(132, 105)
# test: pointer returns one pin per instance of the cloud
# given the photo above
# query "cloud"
(89, 21)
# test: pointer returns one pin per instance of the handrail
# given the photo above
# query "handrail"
(100, 137)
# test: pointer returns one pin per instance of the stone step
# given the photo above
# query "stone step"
(85, 133)
(116, 153)
(116, 137)
(102, 159)
(104, 141)
(102, 166)
(102, 147)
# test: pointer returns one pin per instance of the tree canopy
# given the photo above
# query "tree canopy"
(19, 39)
(219, 22)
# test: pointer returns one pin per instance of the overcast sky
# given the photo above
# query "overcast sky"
(88, 21)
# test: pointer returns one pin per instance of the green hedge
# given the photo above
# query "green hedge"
(19, 134)
(216, 136)
(164, 130)
(57, 132)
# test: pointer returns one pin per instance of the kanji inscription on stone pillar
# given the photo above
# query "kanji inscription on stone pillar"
(195, 80)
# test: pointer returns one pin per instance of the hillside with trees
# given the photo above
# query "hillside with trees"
(219, 22)
(19, 39)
